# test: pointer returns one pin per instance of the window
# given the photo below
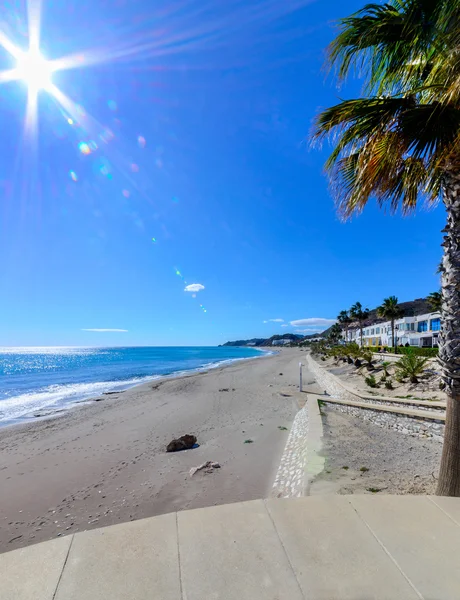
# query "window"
(372, 331)
(435, 324)
(422, 326)
(412, 326)
(377, 330)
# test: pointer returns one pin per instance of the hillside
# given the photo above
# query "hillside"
(265, 342)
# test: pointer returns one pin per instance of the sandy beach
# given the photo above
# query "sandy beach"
(105, 462)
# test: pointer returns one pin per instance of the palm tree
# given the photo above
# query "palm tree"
(335, 333)
(344, 319)
(390, 311)
(400, 144)
(435, 301)
(360, 314)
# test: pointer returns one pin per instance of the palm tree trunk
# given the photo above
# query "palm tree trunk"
(361, 333)
(393, 335)
(449, 347)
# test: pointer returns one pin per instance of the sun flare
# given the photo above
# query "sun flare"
(34, 70)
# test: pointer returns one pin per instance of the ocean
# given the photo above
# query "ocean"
(37, 382)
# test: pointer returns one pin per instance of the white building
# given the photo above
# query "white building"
(421, 331)
(282, 342)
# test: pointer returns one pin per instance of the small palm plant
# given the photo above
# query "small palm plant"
(411, 366)
(351, 352)
(368, 356)
(385, 366)
(355, 353)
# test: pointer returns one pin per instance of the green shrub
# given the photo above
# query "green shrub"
(385, 366)
(428, 352)
(389, 384)
(371, 381)
(411, 366)
(367, 356)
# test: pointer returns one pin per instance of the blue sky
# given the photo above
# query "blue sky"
(201, 113)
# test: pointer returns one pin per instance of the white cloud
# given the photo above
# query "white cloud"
(317, 322)
(107, 330)
(285, 325)
(194, 287)
(274, 321)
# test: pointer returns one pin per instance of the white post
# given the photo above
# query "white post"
(300, 368)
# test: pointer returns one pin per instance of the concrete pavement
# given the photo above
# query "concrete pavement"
(315, 548)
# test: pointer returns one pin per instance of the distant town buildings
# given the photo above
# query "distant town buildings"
(421, 331)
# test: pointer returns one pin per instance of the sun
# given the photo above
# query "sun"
(34, 70)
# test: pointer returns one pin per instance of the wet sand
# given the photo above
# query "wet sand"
(105, 462)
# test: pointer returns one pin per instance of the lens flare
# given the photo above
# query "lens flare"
(84, 148)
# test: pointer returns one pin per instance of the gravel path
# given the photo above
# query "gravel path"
(397, 464)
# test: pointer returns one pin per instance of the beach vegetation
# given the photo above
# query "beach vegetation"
(385, 364)
(430, 352)
(371, 381)
(399, 144)
(389, 384)
(411, 367)
(367, 357)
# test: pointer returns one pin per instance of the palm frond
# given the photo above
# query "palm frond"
(393, 44)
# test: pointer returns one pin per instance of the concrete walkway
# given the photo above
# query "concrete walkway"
(331, 548)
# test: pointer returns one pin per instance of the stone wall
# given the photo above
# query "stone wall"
(402, 405)
(415, 426)
(408, 425)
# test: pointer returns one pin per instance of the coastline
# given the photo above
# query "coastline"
(64, 403)
(104, 462)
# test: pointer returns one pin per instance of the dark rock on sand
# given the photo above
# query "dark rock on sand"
(185, 442)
